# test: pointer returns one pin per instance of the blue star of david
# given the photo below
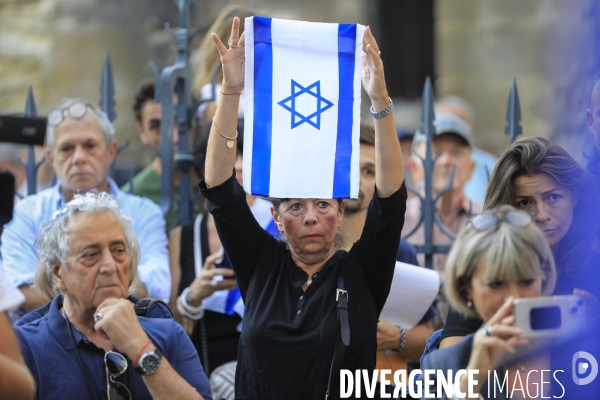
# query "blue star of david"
(314, 90)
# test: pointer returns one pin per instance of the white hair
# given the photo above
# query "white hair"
(107, 128)
(54, 242)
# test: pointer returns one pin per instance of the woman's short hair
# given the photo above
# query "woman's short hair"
(508, 250)
(535, 155)
(54, 242)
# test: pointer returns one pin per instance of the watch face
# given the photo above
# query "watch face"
(150, 362)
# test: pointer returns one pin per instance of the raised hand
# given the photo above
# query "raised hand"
(373, 78)
(232, 59)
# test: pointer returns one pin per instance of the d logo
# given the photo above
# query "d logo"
(581, 367)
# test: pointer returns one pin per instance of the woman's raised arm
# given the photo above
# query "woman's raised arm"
(221, 151)
(390, 168)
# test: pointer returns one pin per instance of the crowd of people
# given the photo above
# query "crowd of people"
(270, 298)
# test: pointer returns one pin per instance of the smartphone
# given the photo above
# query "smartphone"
(550, 316)
(225, 263)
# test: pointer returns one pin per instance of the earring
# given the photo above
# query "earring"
(469, 304)
(339, 227)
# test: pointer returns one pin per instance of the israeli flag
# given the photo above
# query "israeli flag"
(302, 108)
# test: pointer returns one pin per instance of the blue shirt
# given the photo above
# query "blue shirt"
(50, 355)
(19, 259)
(484, 166)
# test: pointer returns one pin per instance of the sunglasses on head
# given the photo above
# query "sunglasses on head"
(116, 365)
(488, 220)
(77, 110)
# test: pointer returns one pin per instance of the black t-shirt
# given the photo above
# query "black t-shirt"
(219, 330)
(289, 335)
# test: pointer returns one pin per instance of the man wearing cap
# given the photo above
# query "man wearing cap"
(453, 144)
(81, 147)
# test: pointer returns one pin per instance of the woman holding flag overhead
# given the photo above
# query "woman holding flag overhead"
(310, 307)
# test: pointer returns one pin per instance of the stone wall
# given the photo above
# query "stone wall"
(547, 45)
(58, 46)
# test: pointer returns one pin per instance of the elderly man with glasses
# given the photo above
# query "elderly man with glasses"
(81, 147)
(91, 344)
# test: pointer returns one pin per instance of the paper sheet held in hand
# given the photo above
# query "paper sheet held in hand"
(413, 291)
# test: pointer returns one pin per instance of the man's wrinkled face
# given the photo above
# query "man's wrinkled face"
(80, 157)
(454, 154)
(367, 180)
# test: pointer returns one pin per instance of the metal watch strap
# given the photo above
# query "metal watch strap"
(152, 353)
(383, 113)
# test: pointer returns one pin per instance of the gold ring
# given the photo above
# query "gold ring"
(231, 45)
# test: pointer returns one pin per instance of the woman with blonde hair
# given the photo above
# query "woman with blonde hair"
(209, 59)
(499, 257)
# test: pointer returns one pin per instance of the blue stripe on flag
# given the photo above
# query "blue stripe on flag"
(263, 106)
(343, 150)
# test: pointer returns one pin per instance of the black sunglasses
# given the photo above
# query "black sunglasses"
(116, 365)
(488, 220)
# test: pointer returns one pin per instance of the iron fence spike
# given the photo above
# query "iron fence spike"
(427, 113)
(107, 90)
(513, 114)
(30, 108)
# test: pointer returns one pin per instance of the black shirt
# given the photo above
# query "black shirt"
(288, 337)
(218, 331)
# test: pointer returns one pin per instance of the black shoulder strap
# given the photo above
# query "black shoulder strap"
(343, 340)
(142, 306)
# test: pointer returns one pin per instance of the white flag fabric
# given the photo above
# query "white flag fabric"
(302, 108)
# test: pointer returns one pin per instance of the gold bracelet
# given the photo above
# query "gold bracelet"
(230, 141)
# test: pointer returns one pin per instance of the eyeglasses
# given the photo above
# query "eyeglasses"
(77, 110)
(488, 220)
(116, 365)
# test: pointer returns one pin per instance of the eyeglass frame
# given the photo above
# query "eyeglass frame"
(501, 216)
(110, 376)
(61, 112)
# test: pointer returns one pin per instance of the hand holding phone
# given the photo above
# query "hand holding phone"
(550, 316)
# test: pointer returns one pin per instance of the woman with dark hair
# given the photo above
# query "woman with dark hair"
(540, 177)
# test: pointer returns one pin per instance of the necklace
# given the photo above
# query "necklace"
(309, 280)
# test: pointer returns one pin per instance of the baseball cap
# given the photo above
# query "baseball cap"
(447, 123)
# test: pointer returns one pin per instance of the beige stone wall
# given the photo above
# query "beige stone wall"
(57, 46)
(544, 44)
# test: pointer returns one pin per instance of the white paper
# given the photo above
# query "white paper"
(413, 291)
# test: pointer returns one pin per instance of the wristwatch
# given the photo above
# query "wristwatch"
(149, 362)
(383, 113)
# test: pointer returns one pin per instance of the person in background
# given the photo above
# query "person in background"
(81, 147)
(454, 145)
(593, 122)
(91, 341)
(484, 161)
(147, 183)
(208, 307)
(16, 381)
(208, 61)
(409, 343)
(10, 162)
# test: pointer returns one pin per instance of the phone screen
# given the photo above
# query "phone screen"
(542, 318)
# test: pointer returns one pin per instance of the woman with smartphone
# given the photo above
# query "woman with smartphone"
(499, 257)
(539, 177)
